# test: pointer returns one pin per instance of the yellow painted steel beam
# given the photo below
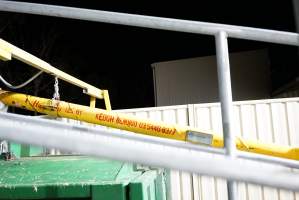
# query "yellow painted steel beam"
(134, 124)
(8, 50)
(5, 55)
(92, 102)
(107, 100)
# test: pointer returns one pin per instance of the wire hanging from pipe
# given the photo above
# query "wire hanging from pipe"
(14, 87)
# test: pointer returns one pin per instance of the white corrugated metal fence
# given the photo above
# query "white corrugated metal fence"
(272, 121)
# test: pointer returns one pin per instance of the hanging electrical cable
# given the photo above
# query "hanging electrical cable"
(7, 84)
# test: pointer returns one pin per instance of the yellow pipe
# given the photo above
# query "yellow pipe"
(134, 124)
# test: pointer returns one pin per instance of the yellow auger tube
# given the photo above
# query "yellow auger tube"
(134, 124)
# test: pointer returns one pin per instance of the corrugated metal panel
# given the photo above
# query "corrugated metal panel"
(274, 121)
(180, 184)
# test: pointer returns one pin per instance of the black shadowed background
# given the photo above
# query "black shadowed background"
(119, 58)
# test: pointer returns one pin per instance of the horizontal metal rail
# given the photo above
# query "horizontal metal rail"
(269, 159)
(150, 139)
(187, 145)
(101, 143)
(188, 26)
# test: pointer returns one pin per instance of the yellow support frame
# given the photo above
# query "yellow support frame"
(115, 120)
(9, 51)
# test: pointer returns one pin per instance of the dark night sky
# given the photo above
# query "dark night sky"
(118, 58)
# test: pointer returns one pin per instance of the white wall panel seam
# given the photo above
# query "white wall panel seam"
(216, 188)
(263, 193)
(272, 123)
(256, 123)
(287, 123)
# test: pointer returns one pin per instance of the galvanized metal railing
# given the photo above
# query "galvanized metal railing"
(220, 31)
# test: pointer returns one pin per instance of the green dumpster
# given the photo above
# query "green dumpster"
(23, 150)
(78, 177)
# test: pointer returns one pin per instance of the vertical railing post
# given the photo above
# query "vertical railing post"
(225, 95)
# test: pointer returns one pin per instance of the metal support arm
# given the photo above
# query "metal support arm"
(8, 51)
